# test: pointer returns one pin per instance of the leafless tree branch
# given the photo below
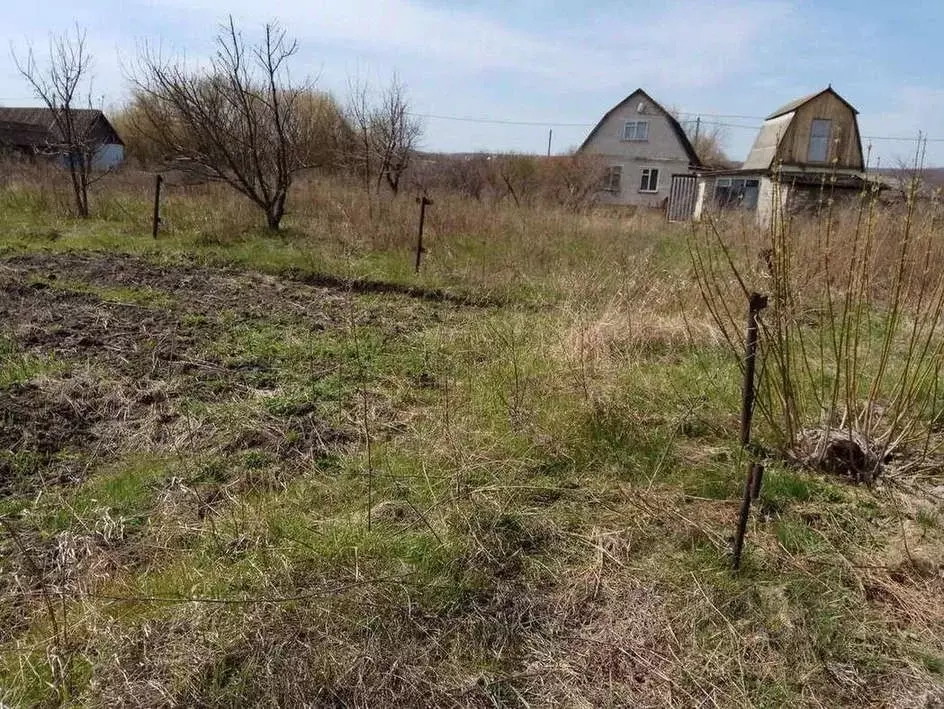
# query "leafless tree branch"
(240, 121)
(58, 85)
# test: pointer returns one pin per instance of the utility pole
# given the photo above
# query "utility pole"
(550, 134)
(697, 130)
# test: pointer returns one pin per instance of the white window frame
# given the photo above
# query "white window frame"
(826, 140)
(647, 176)
(635, 137)
(610, 170)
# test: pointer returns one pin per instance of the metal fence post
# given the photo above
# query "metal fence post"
(756, 303)
(424, 201)
(157, 205)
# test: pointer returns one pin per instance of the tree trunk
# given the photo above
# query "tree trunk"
(79, 188)
(393, 179)
(275, 212)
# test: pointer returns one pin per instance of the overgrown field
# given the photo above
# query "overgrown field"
(241, 469)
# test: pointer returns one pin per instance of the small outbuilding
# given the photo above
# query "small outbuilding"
(34, 132)
(806, 150)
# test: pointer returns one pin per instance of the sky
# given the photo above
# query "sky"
(498, 75)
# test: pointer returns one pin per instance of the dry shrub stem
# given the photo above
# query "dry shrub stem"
(851, 345)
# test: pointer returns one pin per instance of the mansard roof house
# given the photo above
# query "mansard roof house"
(643, 146)
(807, 147)
(33, 131)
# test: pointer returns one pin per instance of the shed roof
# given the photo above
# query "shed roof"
(45, 120)
(673, 122)
(796, 103)
(768, 139)
(22, 135)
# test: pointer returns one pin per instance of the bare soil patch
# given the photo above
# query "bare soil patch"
(127, 364)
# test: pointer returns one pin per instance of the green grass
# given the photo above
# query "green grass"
(144, 296)
(18, 367)
(523, 499)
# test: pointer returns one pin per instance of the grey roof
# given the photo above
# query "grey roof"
(768, 139)
(44, 119)
(23, 135)
(676, 126)
(796, 103)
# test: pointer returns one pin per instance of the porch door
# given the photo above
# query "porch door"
(681, 205)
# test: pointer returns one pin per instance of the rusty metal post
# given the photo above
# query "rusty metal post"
(757, 477)
(756, 303)
(424, 201)
(745, 512)
(157, 205)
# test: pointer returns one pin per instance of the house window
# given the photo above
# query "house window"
(636, 130)
(819, 140)
(736, 193)
(611, 178)
(650, 180)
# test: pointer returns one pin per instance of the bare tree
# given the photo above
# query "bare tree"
(707, 138)
(241, 121)
(709, 145)
(517, 175)
(359, 116)
(395, 133)
(573, 180)
(387, 134)
(60, 85)
(326, 139)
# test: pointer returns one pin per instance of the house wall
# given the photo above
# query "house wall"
(108, 156)
(810, 199)
(662, 151)
(844, 145)
(772, 198)
(703, 193)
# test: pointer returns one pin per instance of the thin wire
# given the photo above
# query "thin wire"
(501, 121)
(723, 115)
(693, 114)
(552, 124)
(223, 600)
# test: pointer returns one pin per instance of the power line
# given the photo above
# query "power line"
(724, 124)
(502, 121)
(694, 114)
(723, 115)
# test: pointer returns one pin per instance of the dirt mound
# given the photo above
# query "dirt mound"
(122, 370)
(30, 419)
(34, 428)
(201, 289)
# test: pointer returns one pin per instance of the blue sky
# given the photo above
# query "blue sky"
(553, 61)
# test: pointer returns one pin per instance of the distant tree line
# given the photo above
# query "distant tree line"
(569, 181)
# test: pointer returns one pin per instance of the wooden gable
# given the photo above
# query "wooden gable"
(843, 146)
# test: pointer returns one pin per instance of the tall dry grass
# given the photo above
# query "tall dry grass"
(538, 252)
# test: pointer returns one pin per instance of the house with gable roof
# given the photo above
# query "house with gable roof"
(643, 146)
